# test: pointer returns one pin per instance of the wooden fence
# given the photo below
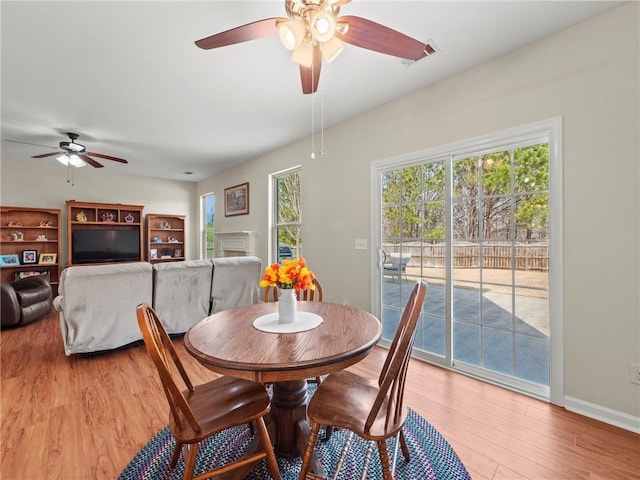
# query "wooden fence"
(526, 256)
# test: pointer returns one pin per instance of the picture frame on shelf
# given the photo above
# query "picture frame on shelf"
(47, 259)
(153, 254)
(29, 257)
(9, 260)
(236, 200)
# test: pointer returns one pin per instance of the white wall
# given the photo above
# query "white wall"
(589, 74)
(46, 186)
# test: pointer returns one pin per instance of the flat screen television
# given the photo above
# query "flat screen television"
(105, 246)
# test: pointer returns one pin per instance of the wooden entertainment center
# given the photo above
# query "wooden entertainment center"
(115, 217)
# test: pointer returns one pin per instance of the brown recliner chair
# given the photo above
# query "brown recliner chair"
(24, 301)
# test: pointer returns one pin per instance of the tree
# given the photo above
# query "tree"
(489, 192)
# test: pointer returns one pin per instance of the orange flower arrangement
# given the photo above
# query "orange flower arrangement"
(292, 273)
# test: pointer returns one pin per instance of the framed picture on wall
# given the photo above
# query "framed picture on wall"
(236, 200)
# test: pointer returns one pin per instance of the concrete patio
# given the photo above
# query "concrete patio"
(492, 345)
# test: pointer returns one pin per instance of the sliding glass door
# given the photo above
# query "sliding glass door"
(475, 223)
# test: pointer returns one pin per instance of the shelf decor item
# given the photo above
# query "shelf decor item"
(29, 256)
(236, 200)
(47, 259)
(129, 218)
(291, 277)
(10, 260)
(31, 273)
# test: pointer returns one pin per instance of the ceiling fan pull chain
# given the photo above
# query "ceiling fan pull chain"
(322, 152)
(313, 119)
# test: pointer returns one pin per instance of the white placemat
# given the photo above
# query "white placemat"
(304, 321)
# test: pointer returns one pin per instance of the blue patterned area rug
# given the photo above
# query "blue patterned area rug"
(431, 456)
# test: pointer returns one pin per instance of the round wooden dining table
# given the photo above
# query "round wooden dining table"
(228, 343)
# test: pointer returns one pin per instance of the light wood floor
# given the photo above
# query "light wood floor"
(85, 417)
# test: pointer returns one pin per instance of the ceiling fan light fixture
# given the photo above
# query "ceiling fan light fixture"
(76, 147)
(331, 49)
(303, 54)
(323, 26)
(76, 161)
(73, 160)
(291, 34)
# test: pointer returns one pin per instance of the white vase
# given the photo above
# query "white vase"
(287, 305)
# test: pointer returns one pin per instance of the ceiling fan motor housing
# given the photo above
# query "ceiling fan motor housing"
(72, 147)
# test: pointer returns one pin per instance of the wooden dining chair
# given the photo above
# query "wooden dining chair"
(199, 412)
(372, 410)
(308, 295)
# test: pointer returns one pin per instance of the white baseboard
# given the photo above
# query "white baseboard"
(604, 414)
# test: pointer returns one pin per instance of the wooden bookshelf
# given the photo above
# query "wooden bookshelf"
(23, 231)
(165, 237)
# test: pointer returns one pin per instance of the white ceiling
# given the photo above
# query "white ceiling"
(128, 78)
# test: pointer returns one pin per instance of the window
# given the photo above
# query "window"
(286, 238)
(207, 208)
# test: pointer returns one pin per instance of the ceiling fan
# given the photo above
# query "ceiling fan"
(76, 155)
(313, 31)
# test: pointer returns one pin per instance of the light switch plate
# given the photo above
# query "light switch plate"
(361, 243)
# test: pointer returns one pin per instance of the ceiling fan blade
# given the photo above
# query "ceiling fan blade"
(34, 144)
(44, 155)
(107, 157)
(373, 36)
(310, 76)
(250, 31)
(90, 161)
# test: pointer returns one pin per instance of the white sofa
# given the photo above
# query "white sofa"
(97, 303)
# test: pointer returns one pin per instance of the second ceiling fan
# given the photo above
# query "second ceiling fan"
(76, 155)
(313, 31)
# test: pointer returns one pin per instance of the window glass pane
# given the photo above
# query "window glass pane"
(390, 223)
(496, 173)
(532, 217)
(496, 218)
(410, 221)
(287, 227)
(465, 177)
(208, 222)
(433, 222)
(288, 198)
(531, 168)
(411, 184)
(465, 219)
(433, 181)
(391, 187)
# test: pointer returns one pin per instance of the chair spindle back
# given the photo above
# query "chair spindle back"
(393, 375)
(168, 365)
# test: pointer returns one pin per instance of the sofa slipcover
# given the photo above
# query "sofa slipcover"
(182, 293)
(97, 305)
(235, 282)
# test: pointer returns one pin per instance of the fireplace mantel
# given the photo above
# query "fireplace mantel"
(235, 244)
